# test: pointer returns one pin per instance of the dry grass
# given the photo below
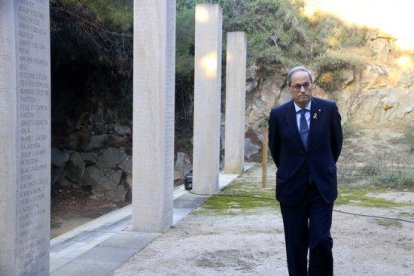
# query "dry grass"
(371, 160)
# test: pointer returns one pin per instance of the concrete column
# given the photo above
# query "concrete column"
(153, 115)
(207, 98)
(24, 137)
(235, 102)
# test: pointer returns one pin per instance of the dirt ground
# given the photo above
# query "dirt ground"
(250, 241)
(72, 206)
(254, 245)
(229, 236)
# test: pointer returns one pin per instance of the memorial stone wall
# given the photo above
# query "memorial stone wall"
(24, 137)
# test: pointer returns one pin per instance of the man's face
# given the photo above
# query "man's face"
(301, 88)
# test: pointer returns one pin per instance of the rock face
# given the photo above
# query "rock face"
(182, 166)
(98, 161)
(250, 148)
(102, 162)
(381, 94)
(96, 142)
(103, 171)
(267, 92)
(59, 161)
(111, 158)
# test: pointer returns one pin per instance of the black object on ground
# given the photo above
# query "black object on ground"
(188, 180)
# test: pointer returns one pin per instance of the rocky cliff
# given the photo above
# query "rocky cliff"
(377, 94)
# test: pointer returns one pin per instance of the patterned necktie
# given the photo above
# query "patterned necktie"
(304, 129)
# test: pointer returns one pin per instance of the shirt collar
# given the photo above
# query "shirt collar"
(297, 108)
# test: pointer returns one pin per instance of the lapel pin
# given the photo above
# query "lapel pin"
(315, 116)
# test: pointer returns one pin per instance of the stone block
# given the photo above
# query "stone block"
(111, 180)
(122, 130)
(111, 158)
(116, 195)
(89, 158)
(59, 157)
(126, 165)
(96, 142)
(76, 167)
(92, 176)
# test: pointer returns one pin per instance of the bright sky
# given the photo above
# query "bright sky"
(395, 17)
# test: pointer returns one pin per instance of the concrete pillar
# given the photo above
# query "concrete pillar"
(24, 137)
(235, 102)
(207, 97)
(153, 115)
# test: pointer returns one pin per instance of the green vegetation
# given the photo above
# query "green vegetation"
(241, 197)
(344, 50)
(369, 170)
(348, 130)
(388, 223)
(393, 180)
(92, 48)
(276, 32)
(235, 205)
(360, 197)
(280, 36)
(409, 137)
(245, 195)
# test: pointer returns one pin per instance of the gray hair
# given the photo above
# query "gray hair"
(297, 69)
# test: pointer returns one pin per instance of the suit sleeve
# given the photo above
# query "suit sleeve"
(336, 133)
(274, 141)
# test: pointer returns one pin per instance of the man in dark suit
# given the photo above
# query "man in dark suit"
(305, 140)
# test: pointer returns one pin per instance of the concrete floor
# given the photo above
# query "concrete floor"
(104, 244)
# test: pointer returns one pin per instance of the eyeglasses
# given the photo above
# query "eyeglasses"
(298, 87)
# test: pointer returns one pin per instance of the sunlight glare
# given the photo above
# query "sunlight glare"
(405, 62)
(391, 17)
(208, 64)
(201, 14)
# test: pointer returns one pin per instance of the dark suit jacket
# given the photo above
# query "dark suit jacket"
(296, 165)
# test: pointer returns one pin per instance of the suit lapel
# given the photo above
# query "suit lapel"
(314, 121)
(290, 117)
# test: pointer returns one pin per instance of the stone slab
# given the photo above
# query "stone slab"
(189, 201)
(25, 149)
(131, 240)
(77, 269)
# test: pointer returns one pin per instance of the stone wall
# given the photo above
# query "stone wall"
(101, 162)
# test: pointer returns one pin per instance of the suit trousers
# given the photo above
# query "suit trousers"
(307, 226)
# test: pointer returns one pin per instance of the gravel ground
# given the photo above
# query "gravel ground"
(253, 244)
